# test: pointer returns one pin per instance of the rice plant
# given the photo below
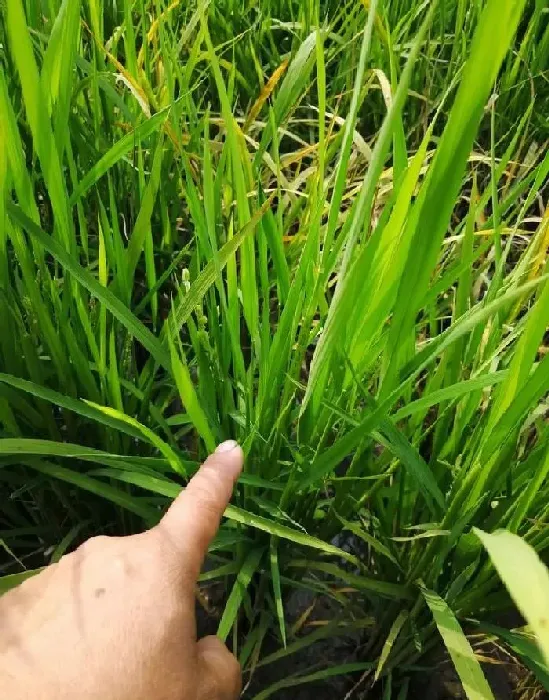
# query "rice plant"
(318, 228)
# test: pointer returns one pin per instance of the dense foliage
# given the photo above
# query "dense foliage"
(319, 228)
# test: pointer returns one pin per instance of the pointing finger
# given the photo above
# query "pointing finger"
(193, 519)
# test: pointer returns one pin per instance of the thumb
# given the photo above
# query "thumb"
(193, 519)
(219, 674)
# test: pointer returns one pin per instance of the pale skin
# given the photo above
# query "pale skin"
(115, 620)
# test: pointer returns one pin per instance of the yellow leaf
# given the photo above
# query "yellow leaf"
(264, 95)
(153, 29)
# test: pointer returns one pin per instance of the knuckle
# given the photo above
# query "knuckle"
(95, 544)
(206, 506)
(122, 565)
(230, 677)
(115, 557)
(164, 553)
(233, 668)
(223, 672)
(203, 495)
(209, 483)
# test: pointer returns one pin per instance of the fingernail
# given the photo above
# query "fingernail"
(226, 446)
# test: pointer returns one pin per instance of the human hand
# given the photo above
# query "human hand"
(115, 620)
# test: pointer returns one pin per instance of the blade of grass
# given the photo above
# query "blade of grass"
(525, 577)
(115, 306)
(467, 666)
(244, 576)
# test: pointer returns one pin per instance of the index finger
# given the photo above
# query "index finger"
(193, 519)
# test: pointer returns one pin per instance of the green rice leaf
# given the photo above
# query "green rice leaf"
(522, 643)
(315, 677)
(115, 306)
(467, 666)
(525, 577)
(277, 590)
(12, 580)
(234, 602)
(110, 493)
(146, 433)
(184, 308)
(189, 397)
(82, 408)
(118, 151)
(396, 627)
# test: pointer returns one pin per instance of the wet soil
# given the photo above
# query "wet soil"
(508, 678)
